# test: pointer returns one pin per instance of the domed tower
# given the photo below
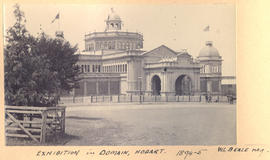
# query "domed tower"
(113, 39)
(210, 73)
(113, 22)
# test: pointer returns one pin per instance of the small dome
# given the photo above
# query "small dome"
(209, 50)
(113, 16)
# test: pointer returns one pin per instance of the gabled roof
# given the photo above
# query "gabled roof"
(160, 51)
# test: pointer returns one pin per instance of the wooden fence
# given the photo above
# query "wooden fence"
(34, 122)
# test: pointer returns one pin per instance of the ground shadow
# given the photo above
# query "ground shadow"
(84, 118)
(53, 140)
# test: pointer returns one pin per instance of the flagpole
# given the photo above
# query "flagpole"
(59, 22)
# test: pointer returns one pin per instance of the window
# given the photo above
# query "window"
(109, 45)
(207, 69)
(81, 68)
(202, 69)
(105, 45)
(97, 45)
(113, 45)
(127, 47)
(125, 67)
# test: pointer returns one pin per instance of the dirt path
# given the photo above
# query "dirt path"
(185, 124)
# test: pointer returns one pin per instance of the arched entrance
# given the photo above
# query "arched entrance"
(183, 85)
(156, 85)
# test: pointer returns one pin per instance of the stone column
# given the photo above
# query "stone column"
(209, 86)
(132, 75)
(168, 83)
(219, 87)
(109, 87)
(197, 84)
(165, 86)
(84, 90)
(97, 87)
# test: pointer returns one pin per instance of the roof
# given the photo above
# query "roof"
(161, 49)
(209, 50)
(113, 16)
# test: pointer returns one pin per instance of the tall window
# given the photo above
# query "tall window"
(81, 68)
(105, 45)
(113, 45)
(109, 45)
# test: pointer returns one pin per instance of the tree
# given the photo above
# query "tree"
(37, 69)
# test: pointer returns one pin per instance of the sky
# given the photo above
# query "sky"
(176, 26)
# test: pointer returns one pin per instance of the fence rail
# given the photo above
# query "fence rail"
(34, 122)
(142, 99)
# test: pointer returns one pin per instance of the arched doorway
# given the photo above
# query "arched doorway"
(156, 85)
(183, 85)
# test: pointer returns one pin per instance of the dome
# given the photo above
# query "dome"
(113, 16)
(209, 50)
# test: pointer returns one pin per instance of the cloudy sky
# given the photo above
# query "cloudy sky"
(176, 26)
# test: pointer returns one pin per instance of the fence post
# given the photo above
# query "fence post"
(63, 113)
(189, 98)
(200, 98)
(118, 98)
(96, 99)
(178, 98)
(166, 98)
(43, 127)
(155, 98)
(131, 98)
(103, 98)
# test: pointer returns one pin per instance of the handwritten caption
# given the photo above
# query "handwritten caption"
(180, 153)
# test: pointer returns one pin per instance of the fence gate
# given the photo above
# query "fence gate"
(34, 122)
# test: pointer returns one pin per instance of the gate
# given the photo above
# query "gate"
(34, 122)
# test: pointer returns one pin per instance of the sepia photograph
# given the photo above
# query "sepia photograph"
(119, 74)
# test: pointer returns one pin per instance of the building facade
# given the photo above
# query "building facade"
(114, 63)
